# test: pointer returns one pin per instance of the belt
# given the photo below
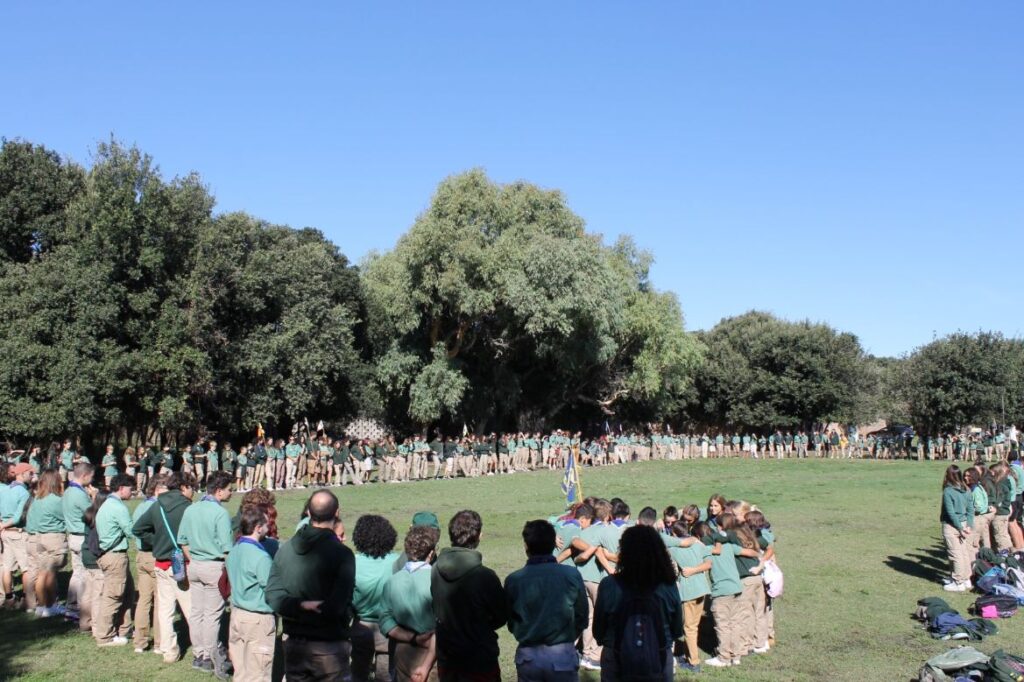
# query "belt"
(81, 535)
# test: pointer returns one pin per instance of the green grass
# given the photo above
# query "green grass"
(859, 542)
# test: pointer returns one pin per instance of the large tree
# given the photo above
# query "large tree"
(963, 380)
(764, 373)
(497, 309)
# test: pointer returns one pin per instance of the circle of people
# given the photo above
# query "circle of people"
(598, 591)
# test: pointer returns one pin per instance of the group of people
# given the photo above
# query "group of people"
(598, 589)
(982, 506)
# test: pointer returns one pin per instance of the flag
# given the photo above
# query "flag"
(571, 481)
(465, 431)
(259, 430)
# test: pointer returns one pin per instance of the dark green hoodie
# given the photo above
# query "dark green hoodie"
(469, 605)
(150, 528)
(313, 566)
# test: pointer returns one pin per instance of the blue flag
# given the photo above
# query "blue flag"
(571, 480)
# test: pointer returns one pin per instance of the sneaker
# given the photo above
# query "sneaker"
(761, 649)
(954, 587)
(57, 610)
(204, 665)
(735, 661)
(140, 649)
(588, 664)
(683, 664)
(40, 610)
(717, 662)
(221, 665)
(71, 615)
(116, 641)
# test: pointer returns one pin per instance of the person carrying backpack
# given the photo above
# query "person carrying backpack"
(638, 615)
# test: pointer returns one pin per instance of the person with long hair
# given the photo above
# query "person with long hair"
(644, 570)
(983, 510)
(716, 507)
(727, 603)
(957, 518)
(1002, 499)
(693, 564)
(48, 545)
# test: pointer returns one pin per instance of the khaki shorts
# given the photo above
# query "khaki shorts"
(16, 551)
(49, 550)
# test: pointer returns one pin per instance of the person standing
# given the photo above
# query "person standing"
(75, 501)
(469, 605)
(374, 539)
(310, 586)
(205, 537)
(547, 610)
(407, 617)
(145, 570)
(15, 540)
(48, 549)
(957, 516)
(161, 522)
(113, 527)
(253, 624)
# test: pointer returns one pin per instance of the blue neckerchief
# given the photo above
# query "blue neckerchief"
(72, 484)
(541, 559)
(150, 499)
(413, 566)
(250, 541)
(571, 522)
(209, 498)
(619, 522)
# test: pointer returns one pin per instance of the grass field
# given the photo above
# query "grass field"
(859, 542)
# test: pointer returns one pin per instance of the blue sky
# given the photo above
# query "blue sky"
(858, 163)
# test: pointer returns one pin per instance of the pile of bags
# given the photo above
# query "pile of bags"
(967, 664)
(995, 574)
(944, 622)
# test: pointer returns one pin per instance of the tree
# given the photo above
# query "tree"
(764, 373)
(498, 309)
(963, 380)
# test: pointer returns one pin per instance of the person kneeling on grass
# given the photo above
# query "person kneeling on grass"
(547, 610)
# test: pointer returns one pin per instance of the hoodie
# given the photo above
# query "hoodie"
(313, 566)
(150, 528)
(469, 605)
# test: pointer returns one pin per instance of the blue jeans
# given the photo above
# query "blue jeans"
(557, 663)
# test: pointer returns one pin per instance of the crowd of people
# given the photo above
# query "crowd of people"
(599, 590)
(304, 461)
(981, 507)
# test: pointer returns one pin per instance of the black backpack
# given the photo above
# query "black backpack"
(641, 645)
(1006, 606)
(92, 542)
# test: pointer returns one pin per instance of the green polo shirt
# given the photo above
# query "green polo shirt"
(75, 501)
(136, 515)
(45, 516)
(567, 530)
(113, 525)
(371, 576)
(695, 586)
(405, 600)
(292, 450)
(725, 576)
(547, 603)
(206, 530)
(248, 565)
(591, 571)
(12, 503)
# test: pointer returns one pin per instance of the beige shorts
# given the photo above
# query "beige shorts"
(16, 551)
(49, 550)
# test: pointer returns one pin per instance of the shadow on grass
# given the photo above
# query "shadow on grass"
(927, 563)
(22, 635)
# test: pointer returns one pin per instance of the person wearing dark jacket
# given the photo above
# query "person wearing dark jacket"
(310, 586)
(158, 528)
(469, 605)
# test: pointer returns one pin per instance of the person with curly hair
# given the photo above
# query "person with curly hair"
(407, 616)
(374, 538)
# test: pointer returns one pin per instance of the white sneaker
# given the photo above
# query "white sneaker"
(117, 641)
(717, 662)
(761, 649)
(39, 610)
(139, 650)
(735, 661)
(954, 587)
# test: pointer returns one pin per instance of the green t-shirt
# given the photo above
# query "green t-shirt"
(45, 515)
(371, 575)
(697, 585)
(248, 565)
(405, 600)
(591, 571)
(725, 578)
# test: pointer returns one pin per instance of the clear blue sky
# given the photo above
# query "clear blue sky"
(860, 164)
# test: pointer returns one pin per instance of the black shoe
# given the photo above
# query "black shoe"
(204, 665)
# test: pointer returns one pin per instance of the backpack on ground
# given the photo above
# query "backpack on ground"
(954, 626)
(1004, 667)
(947, 666)
(930, 607)
(1015, 577)
(1007, 590)
(995, 575)
(641, 643)
(995, 606)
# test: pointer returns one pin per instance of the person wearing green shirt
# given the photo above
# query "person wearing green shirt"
(145, 570)
(212, 458)
(406, 613)
(586, 547)
(74, 503)
(727, 601)
(957, 516)
(547, 609)
(113, 528)
(693, 564)
(253, 625)
(67, 459)
(109, 464)
(339, 458)
(13, 499)
(205, 537)
(48, 545)
(1001, 497)
(292, 452)
(374, 538)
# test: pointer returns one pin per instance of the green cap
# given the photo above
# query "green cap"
(425, 518)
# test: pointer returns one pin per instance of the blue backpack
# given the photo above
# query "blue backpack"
(641, 644)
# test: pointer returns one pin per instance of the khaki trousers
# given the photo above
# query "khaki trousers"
(693, 611)
(755, 598)
(115, 598)
(77, 583)
(982, 530)
(169, 594)
(251, 644)
(1000, 532)
(729, 616)
(591, 649)
(207, 606)
(408, 658)
(92, 586)
(145, 624)
(959, 551)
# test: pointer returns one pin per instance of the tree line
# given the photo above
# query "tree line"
(132, 311)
